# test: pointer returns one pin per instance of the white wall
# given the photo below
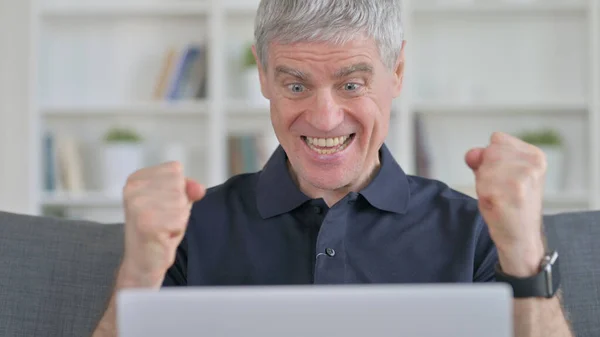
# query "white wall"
(16, 123)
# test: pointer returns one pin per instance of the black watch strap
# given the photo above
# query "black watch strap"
(543, 284)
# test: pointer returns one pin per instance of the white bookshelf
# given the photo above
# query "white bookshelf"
(472, 68)
(240, 7)
(552, 200)
(140, 109)
(502, 108)
(123, 9)
(506, 8)
(240, 108)
(484, 66)
(82, 199)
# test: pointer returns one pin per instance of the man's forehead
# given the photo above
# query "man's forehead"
(337, 72)
(363, 67)
(357, 42)
(333, 55)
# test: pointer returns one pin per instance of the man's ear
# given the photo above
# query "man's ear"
(262, 74)
(399, 72)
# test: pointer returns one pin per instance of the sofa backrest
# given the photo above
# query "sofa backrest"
(56, 275)
(576, 236)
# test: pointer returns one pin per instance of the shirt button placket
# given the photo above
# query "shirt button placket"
(329, 268)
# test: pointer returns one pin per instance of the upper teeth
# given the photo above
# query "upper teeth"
(327, 142)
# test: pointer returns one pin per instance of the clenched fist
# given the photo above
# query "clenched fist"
(509, 180)
(157, 203)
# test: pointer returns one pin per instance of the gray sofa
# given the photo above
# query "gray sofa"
(56, 275)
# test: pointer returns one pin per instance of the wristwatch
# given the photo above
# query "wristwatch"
(544, 284)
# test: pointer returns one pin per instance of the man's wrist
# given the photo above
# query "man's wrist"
(130, 277)
(521, 260)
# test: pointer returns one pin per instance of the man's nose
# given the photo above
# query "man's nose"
(326, 114)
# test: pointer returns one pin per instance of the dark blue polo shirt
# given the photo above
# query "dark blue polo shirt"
(260, 229)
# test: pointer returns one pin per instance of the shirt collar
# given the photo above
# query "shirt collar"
(277, 193)
(389, 190)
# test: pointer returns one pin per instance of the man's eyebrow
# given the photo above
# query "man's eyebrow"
(280, 70)
(359, 67)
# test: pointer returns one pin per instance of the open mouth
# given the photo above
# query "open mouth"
(329, 145)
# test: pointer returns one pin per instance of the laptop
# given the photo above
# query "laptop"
(440, 310)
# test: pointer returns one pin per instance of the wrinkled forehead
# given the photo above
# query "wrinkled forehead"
(336, 59)
(338, 72)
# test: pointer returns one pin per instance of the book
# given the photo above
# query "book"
(163, 79)
(422, 150)
(249, 152)
(183, 74)
(62, 164)
(50, 176)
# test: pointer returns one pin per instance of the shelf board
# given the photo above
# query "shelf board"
(241, 7)
(246, 109)
(142, 109)
(125, 8)
(81, 199)
(493, 108)
(424, 8)
(567, 198)
(497, 8)
(562, 199)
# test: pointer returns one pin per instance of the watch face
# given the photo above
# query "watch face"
(549, 260)
(552, 274)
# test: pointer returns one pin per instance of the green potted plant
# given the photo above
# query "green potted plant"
(542, 138)
(122, 135)
(122, 155)
(249, 60)
(252, 89)
(552, 144)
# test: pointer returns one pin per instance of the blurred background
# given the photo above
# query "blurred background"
(92, 90)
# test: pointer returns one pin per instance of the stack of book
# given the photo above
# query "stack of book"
(249, 152)
(183, 74)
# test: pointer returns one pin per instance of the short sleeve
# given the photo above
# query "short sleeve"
(486, 255)
(177, 274)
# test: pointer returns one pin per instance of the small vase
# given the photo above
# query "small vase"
(252, 87)
(120, 160)
(555, 169)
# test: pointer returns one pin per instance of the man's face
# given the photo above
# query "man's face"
(330, 108)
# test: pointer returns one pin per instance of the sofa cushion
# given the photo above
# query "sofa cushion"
(576, 236)
(56, 274)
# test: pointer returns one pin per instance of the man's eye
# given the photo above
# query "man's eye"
(351, 86)
(296, 88)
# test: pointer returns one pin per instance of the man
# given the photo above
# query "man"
(332, 205)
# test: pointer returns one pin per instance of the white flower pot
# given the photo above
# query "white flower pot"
(120, 160)
(253, 93)
(520, 1)
(555, 169)
(174, 152)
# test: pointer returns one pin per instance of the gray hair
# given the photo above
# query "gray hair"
(331, 21)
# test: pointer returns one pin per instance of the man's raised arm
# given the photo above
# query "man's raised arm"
(509, 180)
(158, 202)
